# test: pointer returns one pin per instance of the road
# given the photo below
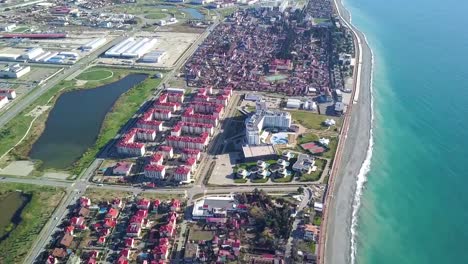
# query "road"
(308, 195)
(28, 99)
(80, 186)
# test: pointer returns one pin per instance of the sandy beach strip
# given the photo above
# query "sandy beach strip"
(336, 231)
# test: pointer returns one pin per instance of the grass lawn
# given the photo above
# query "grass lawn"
(260, 180)
(306, 138)
(240, 180)
(100, 195)
(315, 175)
(162, 196)
(306, 246)
(331, 150)
(95, 75)
(34, 216)
(198, 235)
(317, 220)
(20, 29)
(156, 16)
(311, 120)
(285, 179)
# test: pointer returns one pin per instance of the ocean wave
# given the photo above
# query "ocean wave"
(365, 168)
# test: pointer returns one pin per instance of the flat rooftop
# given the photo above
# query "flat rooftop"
(256, 151)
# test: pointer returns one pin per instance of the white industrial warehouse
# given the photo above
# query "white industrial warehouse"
(37, 54)
(153, 57)
(14, 71)
(94, 44)
(131, 48)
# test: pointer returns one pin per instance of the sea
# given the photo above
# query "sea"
(414, 203)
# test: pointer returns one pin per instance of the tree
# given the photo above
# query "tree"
(300, 189)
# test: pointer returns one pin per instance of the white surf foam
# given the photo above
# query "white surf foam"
(365, 168)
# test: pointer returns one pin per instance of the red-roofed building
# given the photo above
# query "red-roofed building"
(183, 174)
(69, 229)
(134, 230)
(191, 153)
(166, 151)
(191, 163)
(91, 261)
(167, 230)
(154, 171)
(172, 216)
(156, 204)
(161, 252)
(164, 241)
(175, 97)
(117, 203)
(190, 116)
(85, 201)
(137, 220)
(142, 213)
(125, 253)
(122, 168)
(143, 204)
(109, 222)
(9, 93)
(195, 128)
(94, 254)
(147, 121)
(77, 221)
(157, 159)
(129, 242)
(184, 142)
(101, 240)
(171, 106)
(105, 232)
(112, 213)
(51, 260)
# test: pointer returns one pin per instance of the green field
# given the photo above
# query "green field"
(95, 75)
(20, 29)
(199, 235)
(331, 149)
(34, 216)
(311, 120)
(156, 16)
(306, 138)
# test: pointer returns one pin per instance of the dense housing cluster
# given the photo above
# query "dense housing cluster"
(266, 50)
(175, 126)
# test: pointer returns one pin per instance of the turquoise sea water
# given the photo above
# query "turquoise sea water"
(415, 203)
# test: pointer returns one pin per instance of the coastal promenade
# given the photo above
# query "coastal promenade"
(335, 245)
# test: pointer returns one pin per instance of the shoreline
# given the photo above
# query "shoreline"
(343, 198)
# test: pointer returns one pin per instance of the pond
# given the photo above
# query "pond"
(194, 13)
(11, 206)
(74, 123)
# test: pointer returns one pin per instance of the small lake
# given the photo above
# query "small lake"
(11, 206)
(74, 123)
(194, 13)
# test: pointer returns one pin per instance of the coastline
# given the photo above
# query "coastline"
(346, 186)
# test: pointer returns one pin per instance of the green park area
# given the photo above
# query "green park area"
(95, 75)
(156, 16)
(312, 120)
(128, 103)
(40, 206)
